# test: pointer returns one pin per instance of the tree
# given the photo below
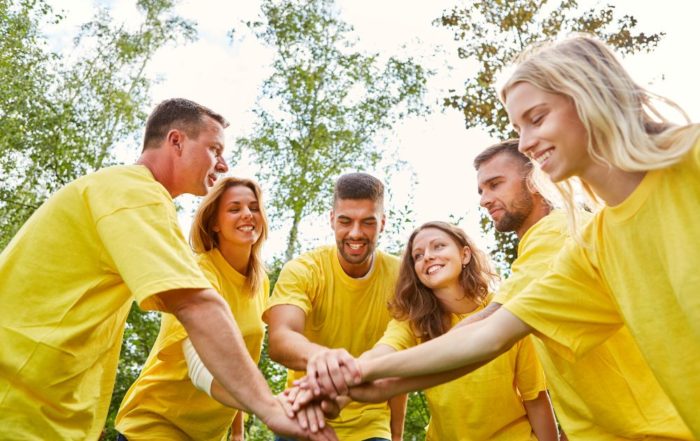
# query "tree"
(322, 108)
(61, 115)
(493, 33)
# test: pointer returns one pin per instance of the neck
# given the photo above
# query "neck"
(540, 210)
(238, 256)
(161, 169)
(612, 184)
(356, 270)
(454, 300)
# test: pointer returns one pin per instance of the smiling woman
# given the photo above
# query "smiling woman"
(228, 232)
(444, 278)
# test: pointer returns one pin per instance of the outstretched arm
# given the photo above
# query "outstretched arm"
(210, 325)
(466, 346)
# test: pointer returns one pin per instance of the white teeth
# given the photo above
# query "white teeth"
(246, 228)
(433, 268)
(355, 246)
(544, 156)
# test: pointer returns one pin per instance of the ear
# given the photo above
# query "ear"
(332, 219)
(216, 228)
(174, 140)
(382, 223)
(466, 255)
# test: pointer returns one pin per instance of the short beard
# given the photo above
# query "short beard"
(514, 217)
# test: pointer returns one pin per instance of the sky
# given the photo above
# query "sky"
(226, 74)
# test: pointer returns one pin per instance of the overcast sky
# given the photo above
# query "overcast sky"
(226, 75)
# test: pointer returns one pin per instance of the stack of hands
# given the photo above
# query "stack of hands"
(333, 379)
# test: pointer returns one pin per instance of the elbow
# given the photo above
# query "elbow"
(193, 307)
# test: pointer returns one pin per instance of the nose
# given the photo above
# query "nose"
(221, 165)
(526, 142)
(355, 231)
(485, 199)
(246, 213)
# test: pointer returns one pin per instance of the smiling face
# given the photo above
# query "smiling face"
(502, 183)
(357, 224)
(438, 259)
(238, 218)
(550, 131)
(201, 158)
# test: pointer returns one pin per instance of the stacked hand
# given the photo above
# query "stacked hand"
(305, 424)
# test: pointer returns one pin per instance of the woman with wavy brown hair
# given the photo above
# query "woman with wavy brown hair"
(228, 231)
(444, 278)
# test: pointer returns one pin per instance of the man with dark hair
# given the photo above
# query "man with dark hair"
(581, 390)
(69, 276)
(330, 304)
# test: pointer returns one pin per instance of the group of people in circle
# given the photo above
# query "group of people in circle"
(610, 295)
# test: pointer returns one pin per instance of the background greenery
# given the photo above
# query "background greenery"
(325, 107)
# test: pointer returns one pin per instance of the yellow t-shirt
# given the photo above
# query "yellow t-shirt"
(67, 280)
(342, 312)
(485, 404)
(609, 393)
(162, 403)
(640, 268)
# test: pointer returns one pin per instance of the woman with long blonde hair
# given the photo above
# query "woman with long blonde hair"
(581, 116)
(443, 279)
(227, 233)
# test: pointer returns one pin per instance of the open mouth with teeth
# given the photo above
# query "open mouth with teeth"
(246, 228)
(355, 247)
(541, 158)
(432, 269)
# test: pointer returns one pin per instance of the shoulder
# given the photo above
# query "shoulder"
(388, 262)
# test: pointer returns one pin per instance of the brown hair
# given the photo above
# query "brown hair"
(358, 186)
(508, 147)
(203, 238)
(416, 302)
(179, 113)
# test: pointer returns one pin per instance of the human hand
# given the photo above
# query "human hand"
(300, 396)
(280, 422)
(331, 372)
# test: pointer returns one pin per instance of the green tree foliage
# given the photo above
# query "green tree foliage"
(493, 33)
(61, 115)
(322, 108)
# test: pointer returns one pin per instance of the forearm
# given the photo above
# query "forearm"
(539, 412)
(217, 339)
(464, 347)
(237, 428)
(479, 316)
(292, 349)
(397, 406)
(385, 388)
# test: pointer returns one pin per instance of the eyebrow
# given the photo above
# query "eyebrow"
(491, 179)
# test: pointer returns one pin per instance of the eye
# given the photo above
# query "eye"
(417, 257)
(537, 119)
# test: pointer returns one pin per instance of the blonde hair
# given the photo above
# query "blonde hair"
(203, 238)
(623, 127)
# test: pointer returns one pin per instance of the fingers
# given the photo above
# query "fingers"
(332, 372)
(286, 404)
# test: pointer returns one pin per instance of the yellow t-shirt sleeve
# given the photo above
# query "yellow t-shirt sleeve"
(149, 252)
(293, 287)
(569, 308)
(533, 261)
(529, 375)
(398, 335)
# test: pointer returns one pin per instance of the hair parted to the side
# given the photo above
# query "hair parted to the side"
(203, 238)
(358, 186)
(415, 302)
(623, 127)
(177, 113)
